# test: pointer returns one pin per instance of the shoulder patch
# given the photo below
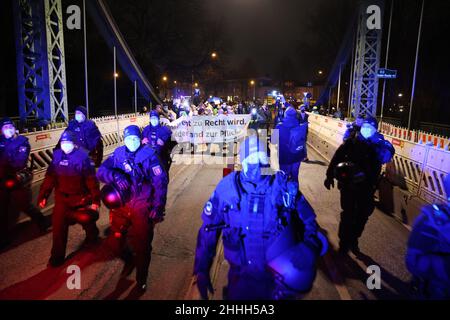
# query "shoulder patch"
(157, 170)
(208, 208)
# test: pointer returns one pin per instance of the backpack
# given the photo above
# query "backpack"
(297, 139)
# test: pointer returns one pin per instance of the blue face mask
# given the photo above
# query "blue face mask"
(67, 147)
(154, 121)
(367, 131)
(79, 117)
(132, 143)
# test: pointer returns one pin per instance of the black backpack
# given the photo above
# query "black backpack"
(297, 138)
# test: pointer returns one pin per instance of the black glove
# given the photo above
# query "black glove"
(329, 183)
(121, 180)
(204, 285)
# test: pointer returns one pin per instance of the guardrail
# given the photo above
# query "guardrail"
(418, 166)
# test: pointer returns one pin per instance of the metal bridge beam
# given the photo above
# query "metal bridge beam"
(56, 60)
(366, 64)
(40, 60)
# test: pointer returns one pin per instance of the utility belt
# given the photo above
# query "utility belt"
(80, 199)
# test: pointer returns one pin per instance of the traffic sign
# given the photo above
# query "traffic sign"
(384, 73)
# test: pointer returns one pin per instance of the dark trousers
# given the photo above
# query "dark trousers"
(12, 202)
(61, 221)
(249, 284)
(134, 225)
(291, 170)
(357, 205)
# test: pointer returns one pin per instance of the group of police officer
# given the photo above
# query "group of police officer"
(270, 235)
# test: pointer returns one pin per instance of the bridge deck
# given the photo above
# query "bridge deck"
(25, 275)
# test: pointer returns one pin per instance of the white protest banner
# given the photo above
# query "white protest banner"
(209, 129)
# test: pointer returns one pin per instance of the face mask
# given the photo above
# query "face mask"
(154, 122)
(9, 133)
(132, 143)
(79, 117)
(67, 147)
(367, 131)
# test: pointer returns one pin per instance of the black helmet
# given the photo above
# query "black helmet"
(83, 215)
(113, 198)
(344, 172)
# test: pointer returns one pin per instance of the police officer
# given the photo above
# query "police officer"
(303, 118)
(291, 136)
(353, 128)
(15, 190)
(72, 176)
(428, 255)
(87, 135)
(136, 170)
(253, 209)
(357, 167)
(159, 138)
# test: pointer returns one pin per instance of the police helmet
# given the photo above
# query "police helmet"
(113, 198)
(345, 172)
(295, 268)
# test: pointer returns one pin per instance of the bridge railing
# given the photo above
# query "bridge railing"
(417, 166)
(415, 136)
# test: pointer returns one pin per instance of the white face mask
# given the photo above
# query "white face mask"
(367, 131)
(9, 132)
(67, 147)
(80, 117)
(132, 143)
(154, 122)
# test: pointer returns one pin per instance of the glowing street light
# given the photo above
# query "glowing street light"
(214, 55)
(164, 78)
(252, 83)
(320, 72)
(116, 75)
(400, 95)
(196, 84)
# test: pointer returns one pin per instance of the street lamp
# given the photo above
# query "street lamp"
(214, 55)
(320, 72)
(116, 75)
(400, 95)
(164, 78)
(252, 83)
(196, 84)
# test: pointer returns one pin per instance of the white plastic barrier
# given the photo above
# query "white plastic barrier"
(43, 142)
(421, 166)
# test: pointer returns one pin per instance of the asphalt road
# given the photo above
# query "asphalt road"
(24, 272)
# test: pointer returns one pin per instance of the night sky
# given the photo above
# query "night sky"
(281, 39)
